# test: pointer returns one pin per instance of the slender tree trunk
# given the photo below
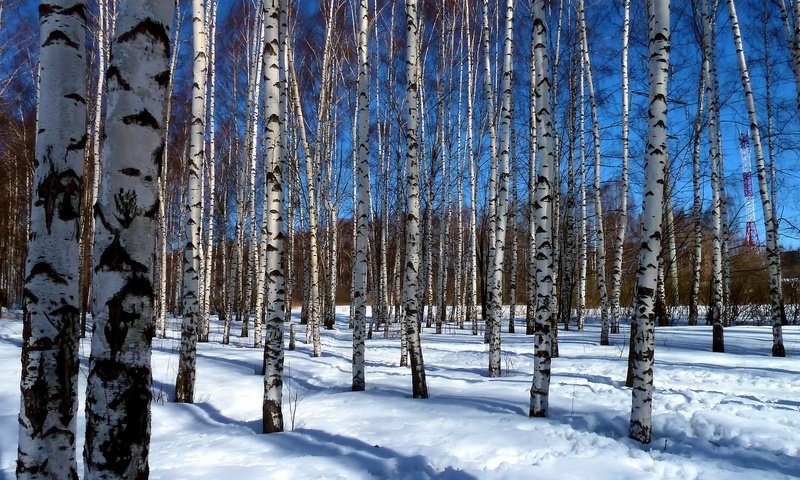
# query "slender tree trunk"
(488, 90)
(163, 230)
(49, 382)
(314, 318)
(714, 315)
(363, 205)
(643, 345)
(598, 205)
(119, 384)
(793, 38)
(497, 251)
(619, 242)
(256, 276)
(567, 260)
(410, 285)
(583, 242)
(192, 253)
(208, 267)
(773, 253)
(530, 310)
(512, 276)
(91, 195)
(697, 207)
(543, 206)
(274, 209)
(458, 274)
(472, 260)
(671, 257)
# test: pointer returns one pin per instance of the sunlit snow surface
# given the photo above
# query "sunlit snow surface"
(716, 416)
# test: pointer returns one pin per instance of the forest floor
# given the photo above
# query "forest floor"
(716, 416)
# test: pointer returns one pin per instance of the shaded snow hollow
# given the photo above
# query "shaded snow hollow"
(716, 416)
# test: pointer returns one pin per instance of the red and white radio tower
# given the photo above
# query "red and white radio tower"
(751, 234)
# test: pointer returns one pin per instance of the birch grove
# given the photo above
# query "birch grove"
(237, 184)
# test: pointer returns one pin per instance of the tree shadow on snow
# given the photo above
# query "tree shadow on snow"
(684, 444)
(377, 460)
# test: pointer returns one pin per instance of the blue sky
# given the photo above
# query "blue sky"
(604, 23)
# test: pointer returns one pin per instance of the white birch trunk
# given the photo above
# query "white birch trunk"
(49, 381)
(163, 231)
(119, 384)
(472, 263)
(441, 277)
(101, 40)
(192, 252)
(488, 91)
(619, 241)
(773, 253)
(512, 275)
(314, 318)
(714, 314)
(583, 241)
(671, 257)
(697, 206)
(496, 255)
(530, 310)
(362, 207)
(543, 205)
(208, 266)
(652, 208)
(274, 212)
(255, 279)
(410, 285)
(793, 38)
(598, 205)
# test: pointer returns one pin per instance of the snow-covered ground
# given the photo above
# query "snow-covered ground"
(716, 416)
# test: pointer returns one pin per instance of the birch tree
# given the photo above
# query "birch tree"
(49, 382)
(715, 154)
(793, 38)
(118, 392)
(697, 205)
(363, 205)
(163, 227)
(543, 206)
(647, 272)
(488, 91)
(773, 253)
(530, 310)
(273, 212)
(619, 241)
(314, 319)
(598, 205)
(411, 280)
(583, 241)
(192, 252)
(497, 254)
(208, 249)
(102, 33)
(472, 260)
